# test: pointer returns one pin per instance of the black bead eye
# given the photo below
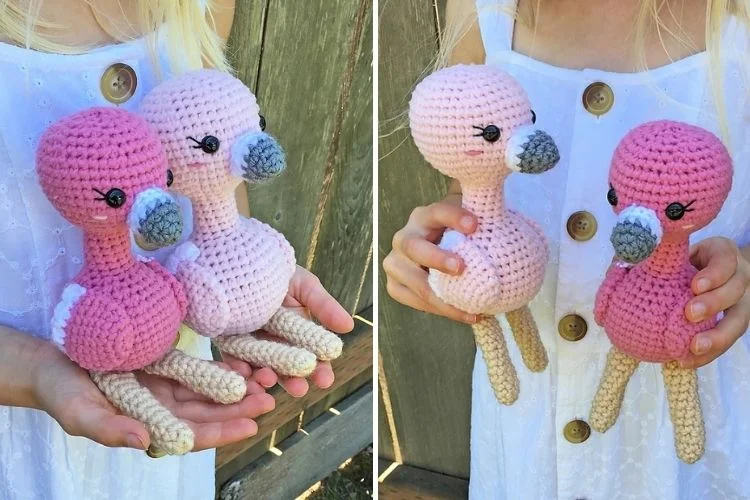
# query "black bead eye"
(170, 178)
(208, 144)
(533, 116)
(262, 122)
(612, 196)
(115, 197)
(676, 210)
(490, 133)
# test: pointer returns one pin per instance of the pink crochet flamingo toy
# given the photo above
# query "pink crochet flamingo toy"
(236, 271)
(105, 171)
(474, 123)
(667, 180)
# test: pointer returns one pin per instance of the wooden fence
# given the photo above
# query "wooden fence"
(425, 361)
(309, 64)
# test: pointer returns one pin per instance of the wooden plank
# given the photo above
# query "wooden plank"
(287, 429)
(301, 463)
(366, 290)
(385, 438)
(408, 483)
(340, 249)
(422, 355)
(299, 88)
(244, 46)
(355, 361)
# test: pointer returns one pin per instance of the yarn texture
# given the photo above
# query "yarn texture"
(105, 171)
(667, 180)
(235, 270)
(474, 123)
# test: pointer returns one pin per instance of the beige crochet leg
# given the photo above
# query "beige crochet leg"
(201, 376)
(168, 433)
(608, 399)
(685, 409)
(281, 358)
(302, 332)
(526, 333)
(489, 337)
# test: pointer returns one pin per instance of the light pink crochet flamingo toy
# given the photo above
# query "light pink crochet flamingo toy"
(236, 271)
(667, 180)
(105, 171)
(474, 123)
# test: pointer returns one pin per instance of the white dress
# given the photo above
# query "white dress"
(39, 253)
(520, 452)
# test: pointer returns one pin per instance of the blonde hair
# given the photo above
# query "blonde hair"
(649, 17)
(191, 39)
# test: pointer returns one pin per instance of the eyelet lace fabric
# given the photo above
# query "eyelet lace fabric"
(39, 253)
(520, 451)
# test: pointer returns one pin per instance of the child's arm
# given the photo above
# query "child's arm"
(19, 365)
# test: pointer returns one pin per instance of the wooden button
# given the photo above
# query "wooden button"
(572, 327)
(581, 226)
(598, 98)
(118, 83)
(576, 431)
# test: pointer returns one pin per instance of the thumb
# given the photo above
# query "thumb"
(113, 430)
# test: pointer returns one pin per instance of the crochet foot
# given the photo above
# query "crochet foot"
(608, 399)
(685, 409)
(302, 332)
(283, 359)
(526, 334)
(168, 433)
(201, 376)
(503, 378)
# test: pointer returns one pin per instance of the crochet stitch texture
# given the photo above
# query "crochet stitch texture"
(105, 171)
(474, 123)
(236, 271)
(667, 180)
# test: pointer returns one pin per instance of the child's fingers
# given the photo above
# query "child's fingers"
(707, 346)
(294, 386)
(308, 290)
(266, 377)
(717, 260)
(323, 376)
(216, 434)
(427, 254)
(108, 429)
(443, 214)
(404, 295)
(252, 406)
(711, 303)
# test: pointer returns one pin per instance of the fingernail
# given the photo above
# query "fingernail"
(135, 441)
(702, 285)
(697, 310)
(702, 344)
(467, 222)
(452, 264)
(470, 318)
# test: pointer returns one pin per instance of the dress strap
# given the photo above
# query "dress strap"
(496, 20)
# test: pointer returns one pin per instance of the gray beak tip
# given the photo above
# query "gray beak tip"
(539, 154)
(162, 226)
(633, 243)
(260, 158)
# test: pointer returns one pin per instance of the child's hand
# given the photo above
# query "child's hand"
(722, 284)
(308, 296)
(65, 392)
(415, 250)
